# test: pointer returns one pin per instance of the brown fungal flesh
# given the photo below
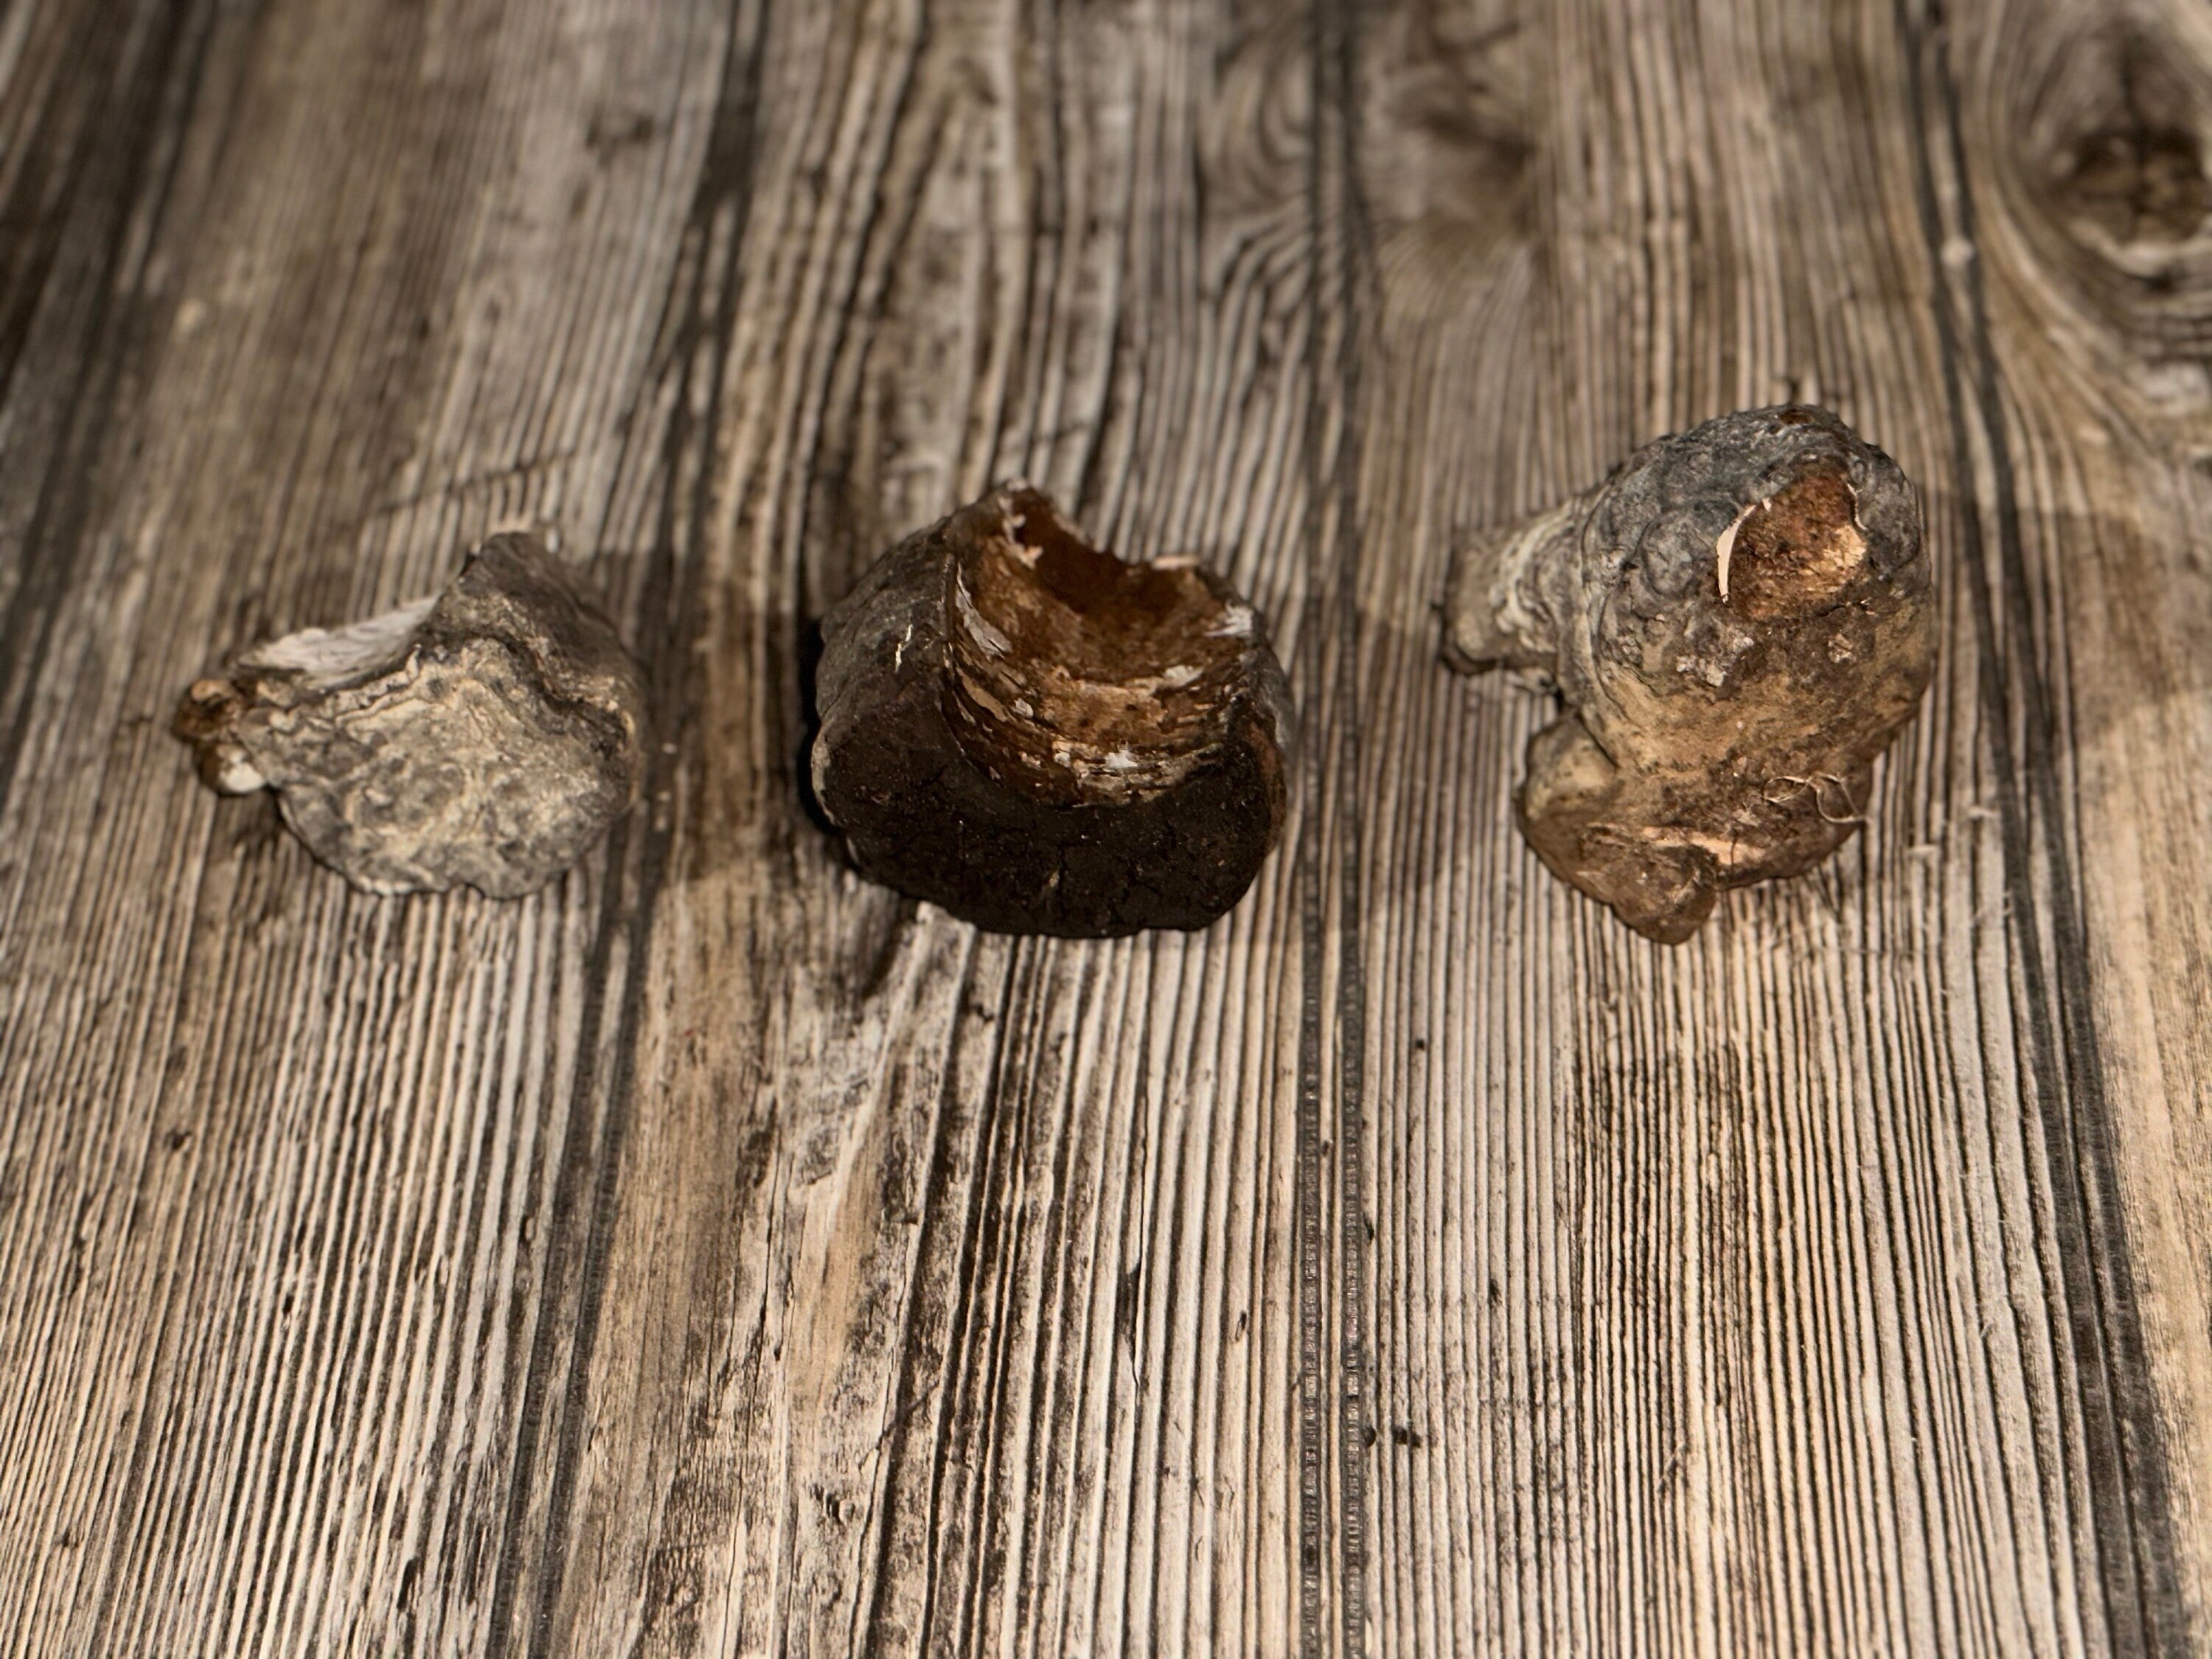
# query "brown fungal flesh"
(485, 737)
(1043, 738)
(1738, 622)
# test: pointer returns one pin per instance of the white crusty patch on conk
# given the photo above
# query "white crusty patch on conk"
(1014, 523)
(328, 656)
(973, 621)
(1725, 547)
(1235, 624)
(235, 774)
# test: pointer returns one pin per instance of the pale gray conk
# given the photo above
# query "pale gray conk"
(485, 737)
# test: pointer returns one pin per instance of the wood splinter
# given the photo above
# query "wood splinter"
(1739, 621)
(1044, 739)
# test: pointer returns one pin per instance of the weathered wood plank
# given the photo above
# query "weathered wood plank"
(716, 1253)
(1808, 1311)
(2085, 300)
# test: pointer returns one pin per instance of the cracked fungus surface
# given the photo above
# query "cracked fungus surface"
(1080, 678)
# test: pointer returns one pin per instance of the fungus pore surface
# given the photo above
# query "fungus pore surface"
(1080, 678)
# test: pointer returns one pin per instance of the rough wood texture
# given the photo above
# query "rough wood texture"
(715, 1253)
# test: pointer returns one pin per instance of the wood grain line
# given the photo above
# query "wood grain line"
(1345, 248)
(670, 609)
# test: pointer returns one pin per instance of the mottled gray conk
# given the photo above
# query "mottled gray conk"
(485, 737)
(1045, 738)
(1739, 622)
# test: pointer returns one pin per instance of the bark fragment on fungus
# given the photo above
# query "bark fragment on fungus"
(488, 735)
(1738, 620)
(1044, 739)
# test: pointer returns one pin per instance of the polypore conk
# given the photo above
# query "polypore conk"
(1044, 739)
(487, 735)
(1739, 621)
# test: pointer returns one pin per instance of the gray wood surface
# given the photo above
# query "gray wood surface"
(714, 1254)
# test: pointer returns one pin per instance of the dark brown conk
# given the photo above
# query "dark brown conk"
(487, 736)
(1739, 621)
(1043, 739)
